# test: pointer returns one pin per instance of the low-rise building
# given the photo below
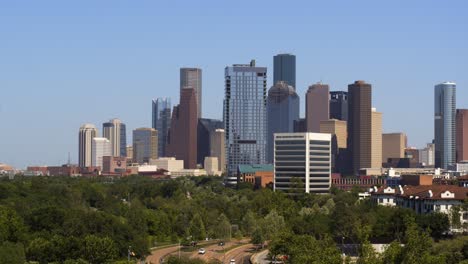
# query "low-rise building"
(423, 199)
(188, 172)
(260, 175)
(169, 164)
(114, 165)
(211, 166)
(64, 170)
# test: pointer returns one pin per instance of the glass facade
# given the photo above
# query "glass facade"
(282, 111)
(192, 78)
(161, 121)
(284, 69)
(444, 124)
(339, 105)
(145, 145)
(245, 117)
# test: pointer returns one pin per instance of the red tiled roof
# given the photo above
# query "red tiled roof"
(422, 191)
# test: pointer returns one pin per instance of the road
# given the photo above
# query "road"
(157, 254)
(214, 251)
(240, 254)
(261, 257)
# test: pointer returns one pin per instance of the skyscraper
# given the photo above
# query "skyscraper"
(85, 142)
(205, 128)
(282, 111)
(302, 162)
(218, 148)
(337, 129)
(284, 69)
(444, 124)
(245, 116)
(317, 106)
(339, 105)
(192, 78)
(182, 136)
(161, 117)
(100, 147)
(462, 135)
(115, 131)
(360, 125)
(393, 146)
(145, 145)
(376, 140)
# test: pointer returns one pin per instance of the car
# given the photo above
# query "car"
(233, 261)
(221, 243)
(201, 251)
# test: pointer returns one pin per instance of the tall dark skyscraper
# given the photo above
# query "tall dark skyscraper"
(245, 117)
(282, 111)
(161, 121)
(360, 124)
(192, 78)
(182, 136)
(317, 106)
(462, 135)
(206, 128)
(444, 124)
(339, 105)
(284, 69)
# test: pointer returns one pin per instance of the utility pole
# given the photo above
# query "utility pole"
(179, 248)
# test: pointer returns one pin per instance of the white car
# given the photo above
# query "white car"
(201, 251)
(233, 261)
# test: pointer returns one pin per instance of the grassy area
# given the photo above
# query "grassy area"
(226, 249)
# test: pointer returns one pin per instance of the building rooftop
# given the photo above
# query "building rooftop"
(428, 192)
(252, 168)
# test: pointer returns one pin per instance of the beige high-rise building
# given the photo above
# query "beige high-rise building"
(130, 152)
(85, 142)
(218, 149)
(115, 132)
(376, 139)
(145, 144)
(335, 127)
(393, 146)
(211, 166)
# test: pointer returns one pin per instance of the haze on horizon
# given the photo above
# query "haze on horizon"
(68, 63)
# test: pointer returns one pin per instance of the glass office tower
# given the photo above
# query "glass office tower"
(284, 69)
(161, 121)
(245, 118)
(444, 124)
(282, 111)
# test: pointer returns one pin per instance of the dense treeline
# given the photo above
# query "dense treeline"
(78, 220)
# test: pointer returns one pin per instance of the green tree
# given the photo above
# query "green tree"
(223, 227)
(12, 253)
(418, 245)
(249, 223)
(392, 254)
(11, 225)
(257, 237)
(273, 224)
(98, 250)
(197, 228)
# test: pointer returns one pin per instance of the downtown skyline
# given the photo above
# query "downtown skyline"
(402, 82)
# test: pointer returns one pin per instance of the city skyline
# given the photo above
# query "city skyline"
(52, 71)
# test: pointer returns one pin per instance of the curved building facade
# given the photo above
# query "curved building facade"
(444, 124)
(85, 141)
(282, 111)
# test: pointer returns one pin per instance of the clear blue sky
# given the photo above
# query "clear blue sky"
(64, 63)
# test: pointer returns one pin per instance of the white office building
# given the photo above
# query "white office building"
(170, 164)
(101, 147)
(302, 162)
